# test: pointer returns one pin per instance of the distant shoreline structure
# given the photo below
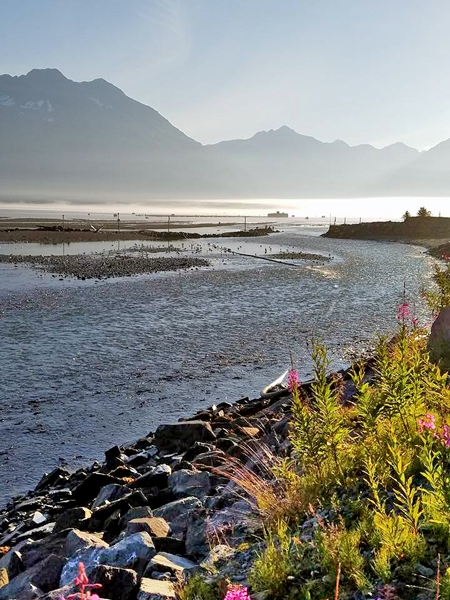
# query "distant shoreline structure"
(278, 214)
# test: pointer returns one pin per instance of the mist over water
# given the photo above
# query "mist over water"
(86, 365)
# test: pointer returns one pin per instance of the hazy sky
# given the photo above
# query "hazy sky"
(373, 71)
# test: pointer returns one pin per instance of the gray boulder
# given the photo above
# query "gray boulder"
(72, 517)
(154, 526)
(177, 514)
(109, 493)
(133, 552)
(439, 341)
(81, 540)
(177, 565)
(179, 437)
(190, 483)
(120, 584)
(12, 562)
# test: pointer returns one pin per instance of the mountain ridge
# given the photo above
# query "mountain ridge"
(91, 137)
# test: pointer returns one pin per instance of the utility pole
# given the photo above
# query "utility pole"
(245, 223)
(63, 222)
(118, 223)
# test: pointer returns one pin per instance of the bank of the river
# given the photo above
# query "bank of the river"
(154, 510)
(425, 231)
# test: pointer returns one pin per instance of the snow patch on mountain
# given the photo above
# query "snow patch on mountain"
(97, 101)
(6, 101)
(38, 104)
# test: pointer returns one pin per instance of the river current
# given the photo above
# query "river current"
(85, 365)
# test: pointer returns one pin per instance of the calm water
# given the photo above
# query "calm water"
(85, 365)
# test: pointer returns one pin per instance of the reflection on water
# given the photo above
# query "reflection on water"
(88, 364)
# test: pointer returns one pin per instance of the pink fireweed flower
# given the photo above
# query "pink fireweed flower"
(237, 592)
(445, 436)
(83, 581)
(293, 380)
(428, 422)
(403, 311)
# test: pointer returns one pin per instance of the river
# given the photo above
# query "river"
(85, 365)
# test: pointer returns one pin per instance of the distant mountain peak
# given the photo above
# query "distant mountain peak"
(47, 75)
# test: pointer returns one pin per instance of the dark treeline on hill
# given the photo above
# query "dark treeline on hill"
(67, 140)
(412, 228)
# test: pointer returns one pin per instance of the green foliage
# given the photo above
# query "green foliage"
(340, 547)
(423, 212)
(445, 586)
(279, 561)
(196, 588)
(406, 215)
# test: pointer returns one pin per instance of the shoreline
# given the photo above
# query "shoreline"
(164, 492)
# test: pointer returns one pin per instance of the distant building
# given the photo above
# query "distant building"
(278, 214)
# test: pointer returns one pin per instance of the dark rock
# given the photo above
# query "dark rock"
(439, 341)
(196, 449)
(109, 493)
(99, 516)
(156, 477)
(120, 584)
(43, 577)
(157, 498)
(181, 436)
(89, 488)
(72, 518)
(38, 551)
(133, 552)
(177, 513)
(53, 478)
(12, 562)
(4, 577)
(190, 483)
(177, 565)
(197, 534)
(140, 512)
(169, 544)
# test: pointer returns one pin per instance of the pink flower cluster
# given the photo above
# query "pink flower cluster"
(293, 380)
(404, 314)
(428, 422)
(83, 581)
(237, 592)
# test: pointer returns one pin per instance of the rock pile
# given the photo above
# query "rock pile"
(155, 510)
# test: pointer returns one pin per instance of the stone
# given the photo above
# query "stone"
(169, 544)
(139, 512)
(179, 437)
(425, 571)
(59, 593)
(89, 488)
(196, 449)
(153, 589)
(133, 552)
(120, 584)
(37, 533)
(80, 540)
(190, 483)
(154, 526)
(439, 340)
(38, 518)
(109, 493)
(4, 577)
(43, 577)
(72, 518)
(51, 479)
(38, 551)
(164, 562)
(177, 513)
(157, 477)
(218, 554)
(12, 562)
(89, 557)
(197, 534)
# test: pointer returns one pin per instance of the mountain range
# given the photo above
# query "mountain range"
(88, 140)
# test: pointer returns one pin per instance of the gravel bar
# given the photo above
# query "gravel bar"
(102, 267)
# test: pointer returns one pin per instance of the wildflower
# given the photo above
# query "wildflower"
(293, 380)
(403, 311)
(445, 436)
(83, 581)
(428, 422)
(237, 592)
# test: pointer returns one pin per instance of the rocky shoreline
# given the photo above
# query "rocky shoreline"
(154, 511)
(103, 266)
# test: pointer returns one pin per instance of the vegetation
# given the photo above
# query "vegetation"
(423, 212)
(406, 215)
(360, 506)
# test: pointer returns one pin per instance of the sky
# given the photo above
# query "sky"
(365, 71)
